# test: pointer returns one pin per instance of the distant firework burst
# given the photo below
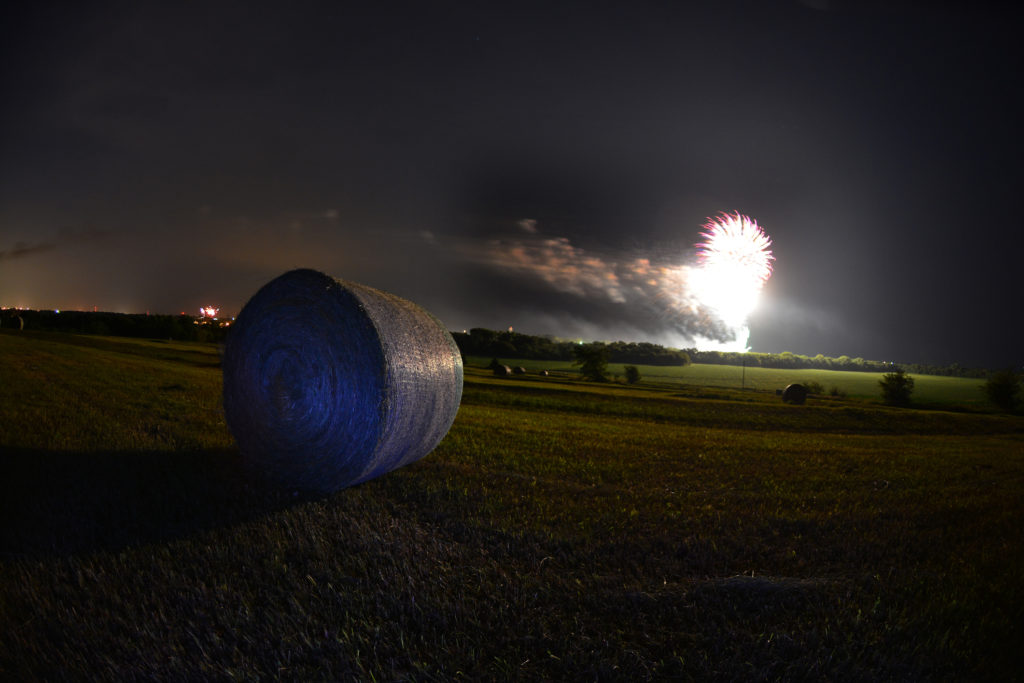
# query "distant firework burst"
(734, 262)
(736, 243)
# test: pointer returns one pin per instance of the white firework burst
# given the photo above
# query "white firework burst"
(734, 262)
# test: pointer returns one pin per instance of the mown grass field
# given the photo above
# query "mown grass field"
(562, 531)
(929, 390)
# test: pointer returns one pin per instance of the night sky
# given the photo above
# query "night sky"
(518, 164)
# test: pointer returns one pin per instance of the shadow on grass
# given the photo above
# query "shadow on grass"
(63, 503)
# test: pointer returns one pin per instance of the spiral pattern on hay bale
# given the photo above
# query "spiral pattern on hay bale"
(328, 383)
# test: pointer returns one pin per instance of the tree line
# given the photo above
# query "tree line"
(794, 361)
(483, 342)
(140, 325)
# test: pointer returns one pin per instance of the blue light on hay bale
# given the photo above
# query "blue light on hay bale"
(330, 383)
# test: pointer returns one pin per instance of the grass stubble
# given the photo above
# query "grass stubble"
(560, 531)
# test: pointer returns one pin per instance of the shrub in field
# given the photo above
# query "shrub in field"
(896, 387)
(632, 374)
(837, 392)
(814, 387)
(593, 361)
(1003, 388)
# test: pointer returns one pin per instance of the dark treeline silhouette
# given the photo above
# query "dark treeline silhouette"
(176, 327)
(494, 344)
(795, 361)
(482, 342)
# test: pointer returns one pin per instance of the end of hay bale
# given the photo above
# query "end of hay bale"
(329, 383)
(794, 393)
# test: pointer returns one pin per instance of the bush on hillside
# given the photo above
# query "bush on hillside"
(1003, 388)
(632, 374)
(896, 387)
(593, 361)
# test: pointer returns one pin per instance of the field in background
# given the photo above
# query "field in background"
(562, 530)
(929, 390)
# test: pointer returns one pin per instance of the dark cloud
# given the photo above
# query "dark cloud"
(65, 237)
(22, 250)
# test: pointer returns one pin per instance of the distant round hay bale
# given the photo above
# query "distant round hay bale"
(330, 383)
(794, 393)
(502, 371)
(519, 370)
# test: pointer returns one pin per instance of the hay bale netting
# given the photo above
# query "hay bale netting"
(794, 393)
(330, 383)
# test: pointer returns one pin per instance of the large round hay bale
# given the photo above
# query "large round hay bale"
(795, 393)
(330, 383)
